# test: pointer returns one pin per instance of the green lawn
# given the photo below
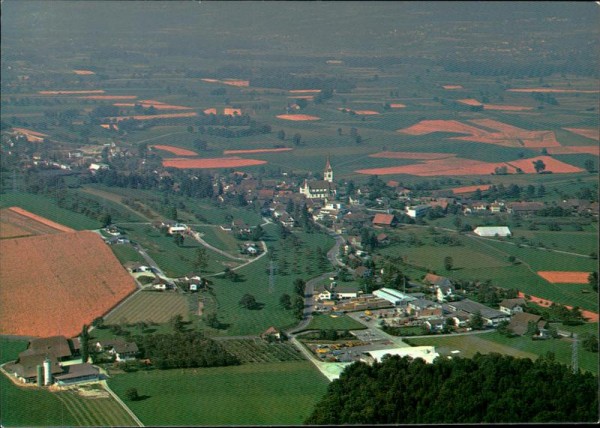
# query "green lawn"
(251, 394)
(255, 281)
(126, 253)
(175, 261)
(46, 207)
(221, 239)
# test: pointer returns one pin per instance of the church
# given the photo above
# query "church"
(320, 189)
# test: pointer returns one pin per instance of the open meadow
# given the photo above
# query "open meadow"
(253, 394)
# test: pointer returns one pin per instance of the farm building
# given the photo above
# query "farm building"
(492, 231)
(389, 220)
(77, 373)
(417, 211)
(426, 353)
(395, 297)
(491, 317)
(519, 324)
(120, 349)
(47, 360)
(512, 306)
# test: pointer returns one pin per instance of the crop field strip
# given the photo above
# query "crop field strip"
(151, 306)
(95, 411)
(261, 351)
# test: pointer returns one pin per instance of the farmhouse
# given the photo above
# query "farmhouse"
(77, 373)
(120, 349)
(492, 231)
(388, 220)
(512, 306)
(520, 322)
(437, 280)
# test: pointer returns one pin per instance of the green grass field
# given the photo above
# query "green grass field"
(220, 239)
(98, 411)
(175, 261)
(126, 253)
(522, 347)
(156, 307)
(251, 394)
(327, 322)
(255, 281)
(46, 207)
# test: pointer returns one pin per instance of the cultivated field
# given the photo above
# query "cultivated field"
(150, 306)
(260, 351)
(212, 163)
(175, 150)
(565, 277)
(16, 222)
(250, 394)
(70, 279)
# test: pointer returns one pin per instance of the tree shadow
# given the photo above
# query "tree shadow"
(257, 306)
(142, 397)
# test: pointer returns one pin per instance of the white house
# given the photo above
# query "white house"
(177, 228)
(492, 231)
(512, 306)
(417, 211)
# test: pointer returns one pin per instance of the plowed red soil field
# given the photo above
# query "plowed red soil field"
(175, 150)
(470, 189)
(592, 133)
(574, 150)
(397, 105)
(506, 135)
(42, 220)
(557, 277)
(109, 97)
(366, 112)
(297, 117)
(68, 280)
(242, 83)
(411, 155)
(556, 166)
(552, 90)
(232, 111)
(210, 111)
(459, 166)
(98, 91)
(15, 222)
(239, 152)
(473, 102)
(452, 87)
(156, 116)
(213, 163)
(304, 91)
(83, 72)
(591, 316)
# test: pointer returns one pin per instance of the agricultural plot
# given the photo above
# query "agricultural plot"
(335, 322)
(47, 208)
(126, 253)
(521, 347)
(74, 271)
(221, 239)
(150, 307)
(99, 410)
(16, 222)
(261, 351)
(249, 394)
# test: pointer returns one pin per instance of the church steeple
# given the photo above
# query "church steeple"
(328, 173)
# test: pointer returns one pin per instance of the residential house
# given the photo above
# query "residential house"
(512, 306)
(271, 333)
(492, 231)
(435, 324)
(120, 349)
(387, 220)
(520, 322)
(383, 239)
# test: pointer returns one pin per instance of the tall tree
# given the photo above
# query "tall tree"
(448, 262)
(201, 258)
(539, 165)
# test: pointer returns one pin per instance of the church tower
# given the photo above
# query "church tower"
(328, 173)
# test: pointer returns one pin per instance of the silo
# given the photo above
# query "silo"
(40, 375)
(47, 372)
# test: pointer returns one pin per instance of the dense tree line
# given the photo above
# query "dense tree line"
(485, 389)
(184, 350)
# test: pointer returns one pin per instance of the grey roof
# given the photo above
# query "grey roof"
(56, 346)
(471, 307)
(78, 370)
(26, 366)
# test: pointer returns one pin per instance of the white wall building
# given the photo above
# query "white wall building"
(492, 231)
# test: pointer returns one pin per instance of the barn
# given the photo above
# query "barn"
(492, 231)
